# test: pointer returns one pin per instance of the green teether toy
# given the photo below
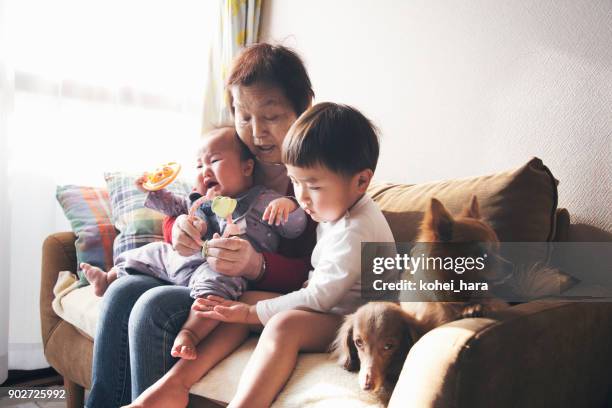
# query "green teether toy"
(223, 206)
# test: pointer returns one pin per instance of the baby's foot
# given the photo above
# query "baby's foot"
(96, 277)
(184, 345)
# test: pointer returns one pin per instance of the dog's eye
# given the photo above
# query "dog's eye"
(359, 343)
(388, 346)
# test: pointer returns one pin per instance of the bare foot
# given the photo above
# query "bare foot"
(184, 345)
(165, 393)
(97, 278)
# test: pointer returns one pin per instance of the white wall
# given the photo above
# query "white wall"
(462, 88)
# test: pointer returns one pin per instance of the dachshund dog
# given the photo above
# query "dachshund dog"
(376, 339)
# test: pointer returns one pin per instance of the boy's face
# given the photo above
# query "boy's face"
(220, 169)
(323, 194)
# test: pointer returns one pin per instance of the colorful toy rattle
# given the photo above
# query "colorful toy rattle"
(162, 176)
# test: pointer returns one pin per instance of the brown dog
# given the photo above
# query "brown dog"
(376, 339)
(451, 237)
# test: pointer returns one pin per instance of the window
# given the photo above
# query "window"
(92, 86)
(105, 85)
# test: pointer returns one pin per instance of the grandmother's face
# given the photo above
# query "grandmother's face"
(262, 115)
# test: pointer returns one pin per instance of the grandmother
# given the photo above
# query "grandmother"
(268, 88)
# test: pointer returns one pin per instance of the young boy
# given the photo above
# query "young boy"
(331, 153)
(226, 167)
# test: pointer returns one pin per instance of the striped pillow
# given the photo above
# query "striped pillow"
(138, 225)
(89, 213)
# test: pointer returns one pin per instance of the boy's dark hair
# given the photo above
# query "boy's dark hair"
(275, 65)
(336, 136)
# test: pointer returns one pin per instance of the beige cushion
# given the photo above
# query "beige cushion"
(316, 382)
(80, 308)
(520, 204)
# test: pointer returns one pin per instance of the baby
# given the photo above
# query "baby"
(226, 167)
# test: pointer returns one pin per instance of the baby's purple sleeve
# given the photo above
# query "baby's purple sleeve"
(167, 202)
(295, 225)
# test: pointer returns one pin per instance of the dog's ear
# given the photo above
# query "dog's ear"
(439, 221)
(411, 332)
(472, 210)
(343, 346)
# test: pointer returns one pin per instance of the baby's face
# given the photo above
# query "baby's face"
(220, 169)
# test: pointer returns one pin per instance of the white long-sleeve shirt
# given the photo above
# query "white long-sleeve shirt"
(335, 283)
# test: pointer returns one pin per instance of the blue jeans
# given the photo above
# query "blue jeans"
(139, 319)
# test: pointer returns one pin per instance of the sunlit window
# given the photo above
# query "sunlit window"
(89, 87)
(104, 85)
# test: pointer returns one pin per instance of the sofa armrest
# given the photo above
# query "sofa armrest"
(541, 353)
(58, 254)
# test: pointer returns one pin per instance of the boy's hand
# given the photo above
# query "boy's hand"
(278, 211)
(140, 181)
(218, 308)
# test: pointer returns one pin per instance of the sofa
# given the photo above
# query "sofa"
(551, 352)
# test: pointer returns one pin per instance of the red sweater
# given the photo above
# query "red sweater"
(287, 269)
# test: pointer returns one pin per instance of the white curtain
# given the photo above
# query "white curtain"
(98, 86)
(5, 104)
(238, 27)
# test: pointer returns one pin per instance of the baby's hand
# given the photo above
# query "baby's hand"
(278, 210)
(141, 180)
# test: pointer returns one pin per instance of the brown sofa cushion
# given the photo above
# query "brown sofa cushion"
(520, 204)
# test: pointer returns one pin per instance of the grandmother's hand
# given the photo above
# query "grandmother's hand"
(186, 233)
(234, 257)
